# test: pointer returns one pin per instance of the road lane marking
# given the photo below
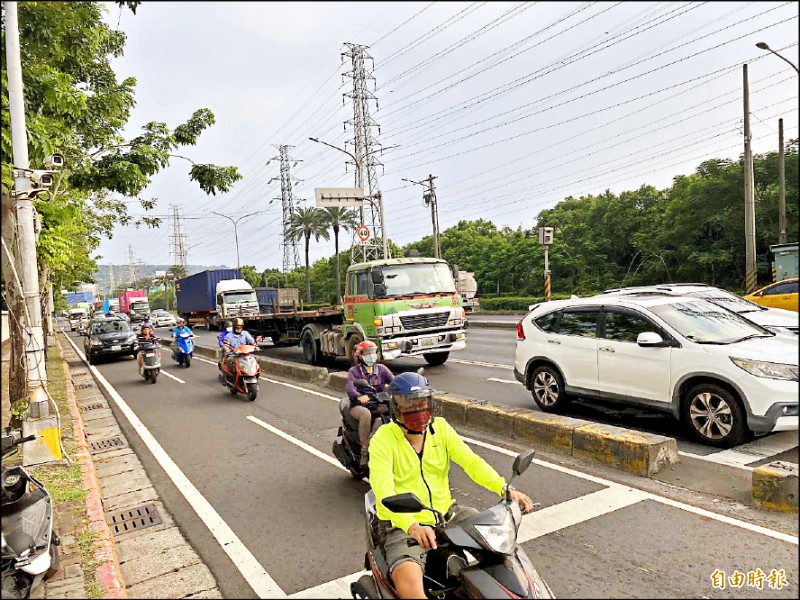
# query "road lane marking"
(608, 483)
(514, 381)
(252, 571)
(296, 442)
(337, 588)
(481, 364)
(178, 379)
(753, 451)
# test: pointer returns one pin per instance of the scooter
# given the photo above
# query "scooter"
(184, 349)
(477, 557)
(29, 543)
(347, 446)
(244, 379)
(151, 359)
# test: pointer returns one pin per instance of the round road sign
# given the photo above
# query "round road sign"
(363, 233)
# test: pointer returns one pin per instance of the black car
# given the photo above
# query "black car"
(109, 337)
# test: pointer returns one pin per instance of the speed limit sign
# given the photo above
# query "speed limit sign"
(363, 233)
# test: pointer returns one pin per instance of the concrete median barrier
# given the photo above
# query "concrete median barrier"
(553, 432)
(338, 381)
(635, 452)
(292, 370)
(775, 487)
(454, 408)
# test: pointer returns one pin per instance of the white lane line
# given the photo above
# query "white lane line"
(791, 539)
(338, 588)
(753, 451)
(575, 511)
(296, 442)
(481, 364)
(514, 381)
(256, 576)
(605, 482)
(178, 379)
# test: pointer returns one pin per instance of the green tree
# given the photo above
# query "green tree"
(340, 219)
(251, 276)
(305, 223)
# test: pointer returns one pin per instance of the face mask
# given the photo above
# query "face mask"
(229, 329)
(370, 359)
(417, 420)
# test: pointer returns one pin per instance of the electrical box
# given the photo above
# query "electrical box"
(545, 235)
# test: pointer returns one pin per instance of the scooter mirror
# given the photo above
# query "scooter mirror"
(404, 503)
(522, 462)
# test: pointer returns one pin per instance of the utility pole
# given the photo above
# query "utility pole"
(110, 279)
(546, 239)
(429, 198)
(751, 278)
(364, 145)
(291, 250)
(38, 421)
(781, 186)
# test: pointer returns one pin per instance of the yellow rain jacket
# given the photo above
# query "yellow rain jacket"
(395, 468)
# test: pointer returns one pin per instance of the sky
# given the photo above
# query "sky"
(512, 106)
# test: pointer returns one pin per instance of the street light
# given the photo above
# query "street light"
(763, 46)
(236, 231)
(360, 184)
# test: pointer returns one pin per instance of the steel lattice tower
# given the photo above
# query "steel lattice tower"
(131, 265)
(364, 146)
(291, 251)
(178, 238)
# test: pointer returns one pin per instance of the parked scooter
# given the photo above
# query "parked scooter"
(347, 446)
(29, 543)
(244, 378)
(151, 359)
(183, 351)
(477, 557)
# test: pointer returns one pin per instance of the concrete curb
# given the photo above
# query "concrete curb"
(285, 368)
(109, 573)
(775, 487)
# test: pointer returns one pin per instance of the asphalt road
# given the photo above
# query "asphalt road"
(485, 370)
(263, 468)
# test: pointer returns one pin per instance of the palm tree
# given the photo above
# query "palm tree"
(304, 223)
(340, 218)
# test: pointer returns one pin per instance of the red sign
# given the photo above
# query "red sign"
(363, 233)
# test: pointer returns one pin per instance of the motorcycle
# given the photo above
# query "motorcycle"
(183, 350)
(151, 359)
(477, 557)
(29, 543)
(347, 446)
(244, 378)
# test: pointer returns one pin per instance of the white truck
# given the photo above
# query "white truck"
(467, 287)
(75, 316)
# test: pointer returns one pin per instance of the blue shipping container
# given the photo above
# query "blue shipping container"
(267, 299)
(195, 293)
(74, 297)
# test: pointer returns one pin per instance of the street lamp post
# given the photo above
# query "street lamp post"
(236, 231)
(764, 46)
(360, 184)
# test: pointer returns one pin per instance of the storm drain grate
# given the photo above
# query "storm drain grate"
(108, 444)
(133, 519)
(83, 386)
(94, 406)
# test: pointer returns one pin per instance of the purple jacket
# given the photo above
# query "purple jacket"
(381, 375)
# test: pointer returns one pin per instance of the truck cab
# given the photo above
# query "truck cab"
(139, 309)
(235, 298)
(408, 306)
(75, 316)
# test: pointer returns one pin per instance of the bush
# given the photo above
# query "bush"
(519, 303)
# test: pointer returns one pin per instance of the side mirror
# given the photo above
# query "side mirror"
(377, 275)
(404, 503)
(649, 338)
(522, 462)
(379, 290)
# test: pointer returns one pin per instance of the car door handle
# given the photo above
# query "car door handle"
(553, 342)
(606, 349)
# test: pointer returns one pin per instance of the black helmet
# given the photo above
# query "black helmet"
(412, 402)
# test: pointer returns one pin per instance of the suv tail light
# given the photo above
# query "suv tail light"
(520, 332)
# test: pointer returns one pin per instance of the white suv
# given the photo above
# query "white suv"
(721, 374)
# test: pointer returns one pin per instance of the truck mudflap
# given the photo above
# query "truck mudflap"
(415, 345)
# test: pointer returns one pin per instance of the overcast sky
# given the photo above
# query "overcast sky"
(513, 106)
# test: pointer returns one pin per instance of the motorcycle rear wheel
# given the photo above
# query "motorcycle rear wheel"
(187, 361)
(153, 375)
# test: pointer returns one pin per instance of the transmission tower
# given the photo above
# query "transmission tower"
(291, 251)
(131, 265)
(178, 238)
(364, 147)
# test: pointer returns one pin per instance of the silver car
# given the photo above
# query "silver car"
(161, 318)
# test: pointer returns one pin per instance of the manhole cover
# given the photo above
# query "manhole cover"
(133, 519)
(94, 406)
(107, 444)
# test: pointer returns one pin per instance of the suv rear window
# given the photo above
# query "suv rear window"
(545, 322)
(582, 323)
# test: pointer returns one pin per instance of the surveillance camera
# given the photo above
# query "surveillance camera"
(54, 161)
(43, 179)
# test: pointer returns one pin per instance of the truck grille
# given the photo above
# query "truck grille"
(244, 312)
(427, 321)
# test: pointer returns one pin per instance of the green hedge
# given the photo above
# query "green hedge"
(519, 303)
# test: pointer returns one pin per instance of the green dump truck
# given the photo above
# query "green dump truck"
(407, 306)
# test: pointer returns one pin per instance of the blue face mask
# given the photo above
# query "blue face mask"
(370, 359)
(229, 329)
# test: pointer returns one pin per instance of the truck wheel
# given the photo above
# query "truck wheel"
(353, 341)
(312, 352)
(436, 358)
(209, 325)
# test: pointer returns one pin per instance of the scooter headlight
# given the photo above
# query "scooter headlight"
(500, 537)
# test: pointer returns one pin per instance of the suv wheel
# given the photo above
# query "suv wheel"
(714, 416)
(547, 389)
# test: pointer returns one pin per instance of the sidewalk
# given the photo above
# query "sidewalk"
(117, 538)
